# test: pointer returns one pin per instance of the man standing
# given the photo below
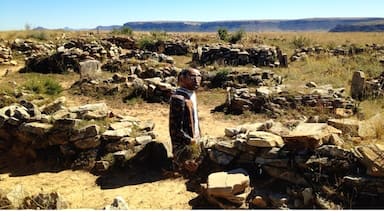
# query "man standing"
(184, 126)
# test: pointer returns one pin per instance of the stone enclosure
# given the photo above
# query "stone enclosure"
(295, 164)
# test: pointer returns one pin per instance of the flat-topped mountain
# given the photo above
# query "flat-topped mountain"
(312, 24)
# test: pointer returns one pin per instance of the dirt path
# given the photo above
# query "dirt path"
(79, 188)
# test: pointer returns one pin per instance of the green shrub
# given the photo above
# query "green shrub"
(38, 35)
(301, 41)
(6, 96)
(232, 38)
(220, 78)
(223, 34)
(45, 86)
(52, 87)
(147, 43)
(159, 35)
(123, 30)
(237, 36)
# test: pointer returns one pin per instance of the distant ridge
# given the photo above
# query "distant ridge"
(309, 24)
(312, 24)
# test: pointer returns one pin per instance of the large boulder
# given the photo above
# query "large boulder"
(90, 69)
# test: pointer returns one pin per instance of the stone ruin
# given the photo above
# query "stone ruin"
(280, 166)
(58, 58)
(178, 47)
(157, 84)
(68, 56)
(75, 137)
(112, 57)
(363, 87)
(236, 55)
(29, 48)
(6, 57)
(341, 50)
(275, 100)
(122, 42)
(255, 77)
(153, 85)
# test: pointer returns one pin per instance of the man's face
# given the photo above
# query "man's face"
(192, 80)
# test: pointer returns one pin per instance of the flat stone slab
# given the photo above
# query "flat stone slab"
(228, 185)
(264, 139)
(309, 135)
(372, 156)
(347, 126)
(36, 128)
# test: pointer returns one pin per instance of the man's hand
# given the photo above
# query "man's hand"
(193, 141)
(191, 165)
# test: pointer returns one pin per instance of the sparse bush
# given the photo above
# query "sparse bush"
(231, 38)
(301, 41)
(147, 43)
(123, 30)
(38, 35)
(223, 34)
(220, 78)
(52, 87)
(45, 86)
(159, 35)
(153, 41)
(6, 96)
(237, 36)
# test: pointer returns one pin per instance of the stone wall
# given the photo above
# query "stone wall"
(71, 136)
(341, 50)
(237, 55)
(296, 166)
(363, 87)
(274, 101)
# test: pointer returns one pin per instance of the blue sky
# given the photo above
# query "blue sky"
(15, 14)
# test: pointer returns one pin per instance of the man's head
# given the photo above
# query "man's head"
(189, 78)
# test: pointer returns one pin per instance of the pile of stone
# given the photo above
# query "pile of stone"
(256, 77)
(275, 100)
(132, 56)
(153, 85)
(363, 88)
(341, 50)
(225, 188)
(304, 52)
(82, 49)
(75, 137)
(122, 42)
(6, 56)
(295, 166)
(30, 48)
(68, 57)
(236, 55)
(17, 198)
(177, 47)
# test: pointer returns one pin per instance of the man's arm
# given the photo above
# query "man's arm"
(176, 120)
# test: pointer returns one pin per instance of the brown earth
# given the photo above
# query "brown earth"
(143, 191)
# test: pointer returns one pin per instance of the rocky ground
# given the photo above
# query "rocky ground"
(308, 146)
(84, 190)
